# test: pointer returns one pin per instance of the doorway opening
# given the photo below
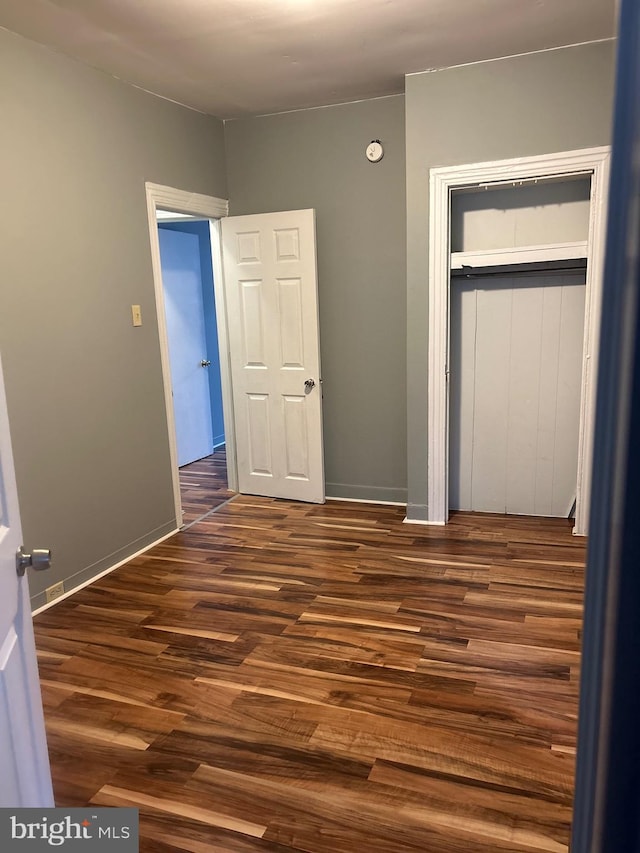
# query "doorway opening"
(192, 324)
(517, 307)
(194, 356)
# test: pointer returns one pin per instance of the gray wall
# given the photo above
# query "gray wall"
(84, 387)
(315, 158)
(526, 105)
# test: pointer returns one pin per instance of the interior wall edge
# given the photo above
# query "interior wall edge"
(417, 512)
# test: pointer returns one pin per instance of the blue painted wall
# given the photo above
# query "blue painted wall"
(201, 230)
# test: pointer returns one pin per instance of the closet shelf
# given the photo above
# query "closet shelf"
(540, 255)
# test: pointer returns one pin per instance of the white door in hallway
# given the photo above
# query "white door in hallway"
(272, 303)
(25, 779)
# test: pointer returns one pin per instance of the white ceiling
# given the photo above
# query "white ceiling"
(248, 57)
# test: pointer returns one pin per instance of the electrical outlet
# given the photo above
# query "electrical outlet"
(54, 591)
(136, 315)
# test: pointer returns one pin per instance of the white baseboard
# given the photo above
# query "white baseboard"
(368, 494)
(368, 501)
(103, 573)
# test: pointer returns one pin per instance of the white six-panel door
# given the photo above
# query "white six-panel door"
(272, 304)
(25, 779)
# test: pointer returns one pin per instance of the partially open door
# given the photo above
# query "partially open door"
(25, 779)
(272, 306)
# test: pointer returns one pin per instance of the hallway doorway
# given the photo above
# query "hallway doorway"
(191, 322)
(204, 486)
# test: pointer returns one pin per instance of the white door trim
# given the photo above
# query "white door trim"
(591, 161)
(206, 207)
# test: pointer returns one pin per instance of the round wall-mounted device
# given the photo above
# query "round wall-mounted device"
(375, 151)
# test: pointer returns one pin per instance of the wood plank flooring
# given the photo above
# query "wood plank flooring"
(289, 677)
(203, 486)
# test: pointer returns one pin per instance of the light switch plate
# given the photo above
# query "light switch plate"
(136, 314)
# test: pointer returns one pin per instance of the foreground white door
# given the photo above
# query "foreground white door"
(272, 303)
(25, 779)
(184, 311)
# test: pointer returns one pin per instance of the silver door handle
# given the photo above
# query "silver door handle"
(205, 363)
(309, 384)
(39, 559)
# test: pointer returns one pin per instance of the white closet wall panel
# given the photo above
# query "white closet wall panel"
(490, 418)
(568, 399)
(548, 212)
(516, 358)
(525, 417)
(463, 314)
(547, 434)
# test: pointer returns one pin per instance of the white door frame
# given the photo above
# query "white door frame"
(593, 162)
(204, 207)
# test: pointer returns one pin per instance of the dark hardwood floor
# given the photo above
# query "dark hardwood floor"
(288, 677)
(203, 486)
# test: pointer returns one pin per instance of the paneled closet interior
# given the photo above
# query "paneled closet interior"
(517, 298)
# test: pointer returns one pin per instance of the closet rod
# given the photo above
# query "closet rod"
(534, 268)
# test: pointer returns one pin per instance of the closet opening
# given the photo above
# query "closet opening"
(516, 324)
(516, 254)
